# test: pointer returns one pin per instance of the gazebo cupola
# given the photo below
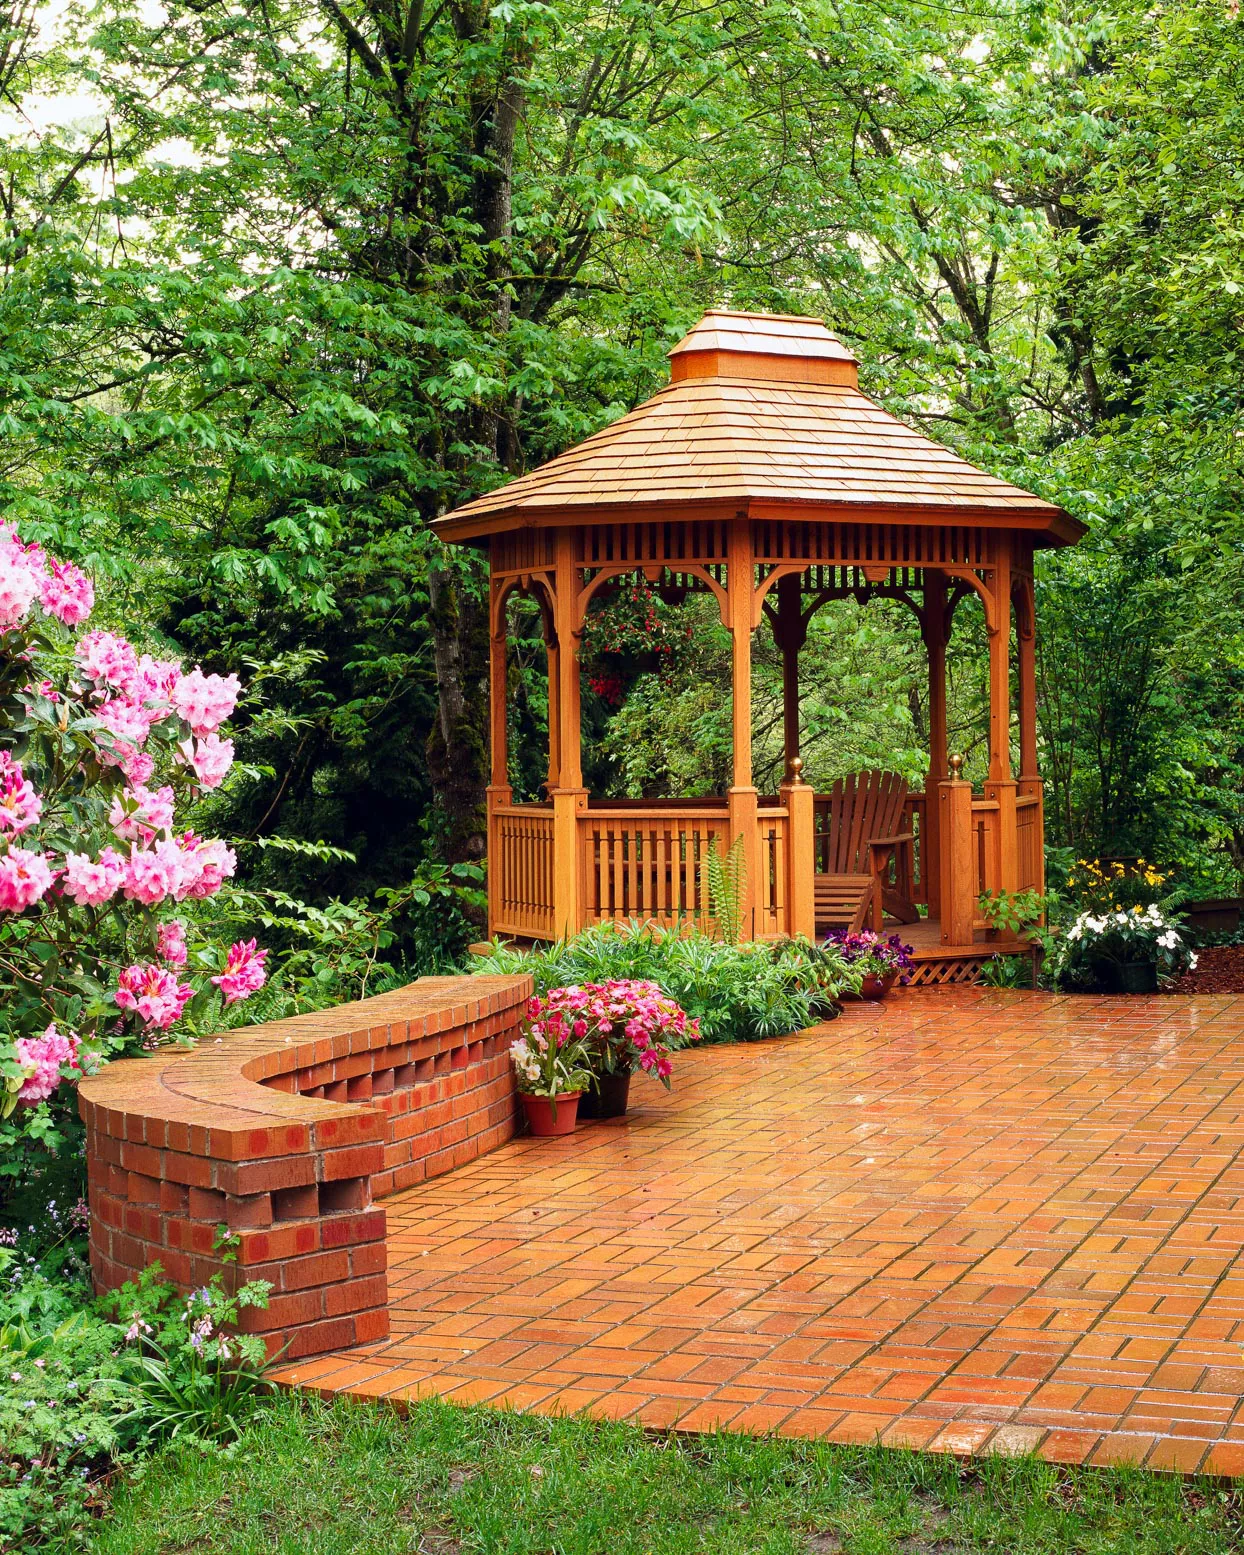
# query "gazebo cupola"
(764, 476)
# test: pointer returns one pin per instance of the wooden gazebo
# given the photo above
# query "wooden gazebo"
(763, 476)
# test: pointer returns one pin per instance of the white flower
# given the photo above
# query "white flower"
(1192, 961)
(1169, 940)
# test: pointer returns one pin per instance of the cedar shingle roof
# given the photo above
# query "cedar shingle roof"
(763, 414)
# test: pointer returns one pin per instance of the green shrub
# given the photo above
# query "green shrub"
(86, 1387)
(738, 993)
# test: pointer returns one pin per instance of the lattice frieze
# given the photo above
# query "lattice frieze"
(860, 545)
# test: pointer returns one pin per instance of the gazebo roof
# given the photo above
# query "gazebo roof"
(763, 415)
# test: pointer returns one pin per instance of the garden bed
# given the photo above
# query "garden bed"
(1219, 969)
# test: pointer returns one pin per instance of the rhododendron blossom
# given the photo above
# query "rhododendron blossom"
(126, 719)
(137, 765)
(67, 593)
(157, 677)
(171, 942)
(19, 585)
(108, 658)
(42, 1058)
(244, 971)
(211, 759)
(91, 884)
(154, 994)
(20, 806)
(24, 878)
(83, 723)
(140, 813)
(151, 874)
(205, 701)
(212, 863)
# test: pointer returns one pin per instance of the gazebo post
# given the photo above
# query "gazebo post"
(791, 635)
(1001, 786)
(569, 796)
(791, 632)
(742, 798)
(552, 648)
(1030, 784)
(933, 631)
(499, 791)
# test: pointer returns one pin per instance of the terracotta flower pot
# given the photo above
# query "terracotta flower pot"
(540, 1119)
(874, 987)
(610, 1100)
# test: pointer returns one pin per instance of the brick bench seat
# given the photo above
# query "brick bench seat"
(286, 1134)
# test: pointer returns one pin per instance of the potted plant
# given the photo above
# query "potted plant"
(626, 1026)
(551, 1063)
(879, 962)
(1131, 950)
(630, 630)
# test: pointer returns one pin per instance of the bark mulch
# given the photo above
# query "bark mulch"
(1219, 969)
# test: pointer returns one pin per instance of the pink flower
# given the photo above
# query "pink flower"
(154, 993)
(211, 864)
(141, 813)
(90, 885)
(244, 971)
(157, 677)
(109, 659)
(24, 877)
(205, 701)
(66, 593)
(20, 806)
(150, 876)
(137, 765)
(41, 1058)
(171, 942)
(212, 759)
(126, 719)
(19, 583)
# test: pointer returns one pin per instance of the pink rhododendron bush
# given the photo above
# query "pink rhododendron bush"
(103, 752)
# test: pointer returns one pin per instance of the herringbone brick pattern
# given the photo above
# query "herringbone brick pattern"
(966, 1220)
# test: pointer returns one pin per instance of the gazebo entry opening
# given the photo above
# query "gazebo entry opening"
(763, 477)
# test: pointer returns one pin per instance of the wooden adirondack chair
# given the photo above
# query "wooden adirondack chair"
(858, 837)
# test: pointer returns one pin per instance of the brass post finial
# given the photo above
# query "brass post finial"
(956, 768)
(796, 769)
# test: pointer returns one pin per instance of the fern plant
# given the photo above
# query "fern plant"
(725, 885)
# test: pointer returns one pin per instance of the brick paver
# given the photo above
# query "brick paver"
(967, 1220)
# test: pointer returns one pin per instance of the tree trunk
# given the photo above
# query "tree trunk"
(457, 748)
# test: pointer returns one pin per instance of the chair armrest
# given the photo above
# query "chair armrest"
(891, 842)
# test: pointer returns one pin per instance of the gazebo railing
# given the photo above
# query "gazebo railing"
(521, 871)
(646, 860)
(648, 863)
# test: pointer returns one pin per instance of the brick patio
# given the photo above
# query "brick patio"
(967, 1220)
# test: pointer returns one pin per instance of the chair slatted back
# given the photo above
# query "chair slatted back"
(862, 806)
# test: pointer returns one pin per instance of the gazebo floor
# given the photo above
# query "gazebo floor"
(966, 1220)
(938, 963)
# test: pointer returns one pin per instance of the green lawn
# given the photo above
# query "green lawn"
(360, 1480)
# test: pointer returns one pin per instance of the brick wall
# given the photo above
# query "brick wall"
(286, 1134)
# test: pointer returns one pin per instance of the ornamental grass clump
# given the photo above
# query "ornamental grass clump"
(101, 749)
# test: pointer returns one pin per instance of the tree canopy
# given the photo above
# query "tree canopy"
(281, 280)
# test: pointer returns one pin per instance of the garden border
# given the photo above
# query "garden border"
(285, 1134)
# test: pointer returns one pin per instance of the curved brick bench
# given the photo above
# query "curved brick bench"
(286, 1133)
